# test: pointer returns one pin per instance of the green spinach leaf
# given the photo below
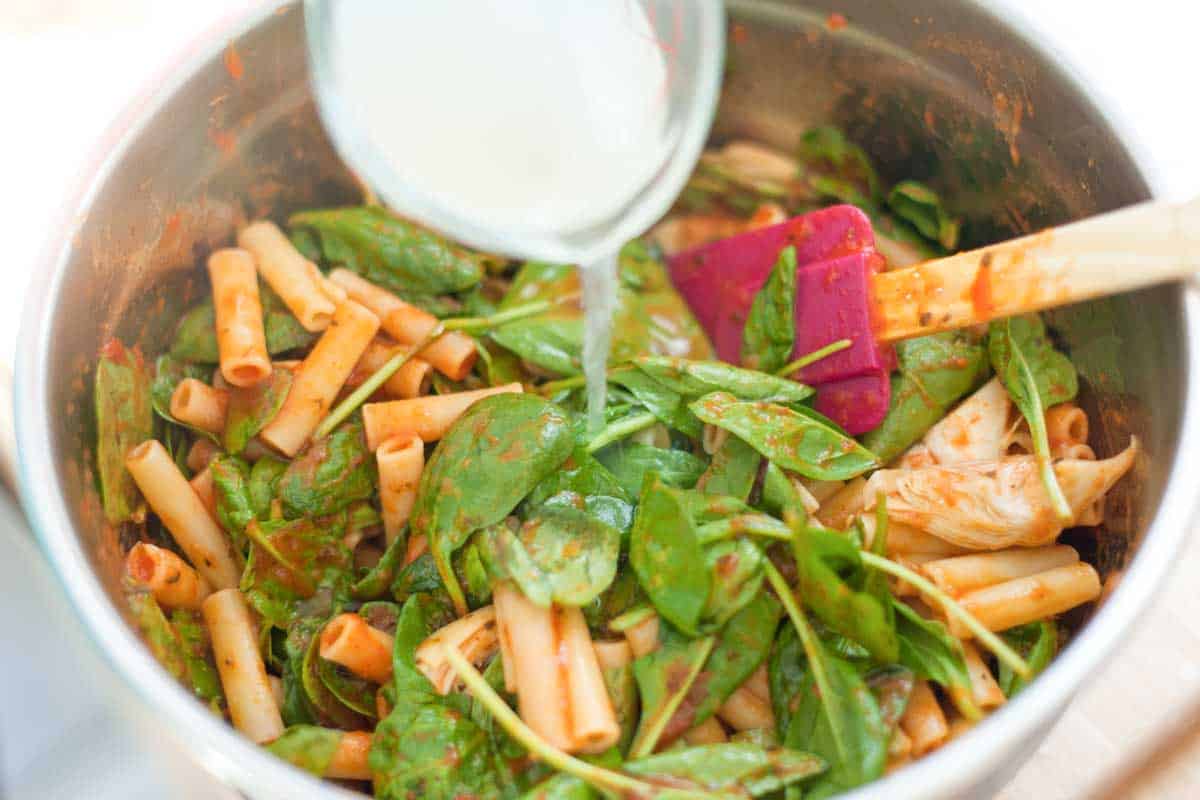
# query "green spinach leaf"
(390, 252)
(693, 379)
(290, 560)
(835, 167)
(1037, 642)
(790, 439)
(252, 408)
(330, 475)
(928, 649)
(196, 335)
(732, 471)
(770, 332)
(666, 680)
(917, 204)
(630, 462)
(124, 420)
(737, 769)
(665, 552)
(309, 747)
(169, 372)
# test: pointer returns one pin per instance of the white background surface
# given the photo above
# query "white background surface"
(67, 67)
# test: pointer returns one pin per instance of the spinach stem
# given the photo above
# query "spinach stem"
(814, 356)
(749, 524)
(988, 639)
(812, 646)
(475, 324)
(631, 618)
(620, 429)
(368, 387)
(597, 776)
(574, 382)
(1041, 441)
(643, 746)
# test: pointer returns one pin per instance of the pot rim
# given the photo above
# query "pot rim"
(953, 769)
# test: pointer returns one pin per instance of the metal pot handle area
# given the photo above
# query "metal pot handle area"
(8, 435)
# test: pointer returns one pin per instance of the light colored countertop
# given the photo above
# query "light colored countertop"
(68, 66)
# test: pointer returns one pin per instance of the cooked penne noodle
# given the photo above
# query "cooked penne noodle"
(293, 277)
(822, 490)
(528, 633)
(985, 692)
(1076, 450)
(713, 438)
(349, 761)
(256, 449)
(241, 340)
(613, 654)
(252, 705)
(923, 721)
(744, 710)
(707, 732)
(1006, 605)
(202, 451)
(959, 726)
(411, 380)
(427, 417)
(474, 636)
(913, 561)
(367, 652)
(594, 726)
(197, 404)
(415, 547)
(277, 689)
(400, 459)
(202, 485)
(169, 578)
(1066, 423)
(319, 378)
(184, 515)
(453, 354)
(900, 746)
(643, 637)
(759, 683)
(960, 574)
(837, 511)
(906, 540)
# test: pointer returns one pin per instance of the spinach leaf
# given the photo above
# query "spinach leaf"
(622, 595)
(330, 475)
(560, 555)
(374, 583)
(235, 510)
(791, 440)
(736, 566)
(830, 575)
(660, 400)
(787, 675)
(732, 470)
(169, 372)
(300, 631)
(182, 648)
(622, 690)
(920, 206)
(124, 420)
(309, 747)
(1036, 376)
(390, 252)
(935, 371)
(630, 462)
(928, 649)
(833, 166)
(489, 460)
(196, 335)
(694, 379)
(325, 706)
(737, 768)
(290, 560)
(263, 487)
(838, 719)
(892, 686)
(428, 746)
(351, 691)
(770, 331)
(1037, 642)
(582, 481)
(667, 681)
(665, 552)
(252, 408)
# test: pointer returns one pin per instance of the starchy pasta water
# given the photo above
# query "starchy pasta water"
(372, 527)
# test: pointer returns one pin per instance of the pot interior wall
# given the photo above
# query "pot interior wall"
(934, 90)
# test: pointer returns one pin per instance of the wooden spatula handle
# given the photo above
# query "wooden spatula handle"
(1155, 242)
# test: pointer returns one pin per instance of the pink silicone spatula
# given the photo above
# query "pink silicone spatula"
(842, 291)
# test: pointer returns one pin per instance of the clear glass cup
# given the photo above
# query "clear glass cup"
(692, 36)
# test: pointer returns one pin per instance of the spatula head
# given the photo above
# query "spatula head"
(835, 256)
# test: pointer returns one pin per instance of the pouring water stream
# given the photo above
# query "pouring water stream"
(551, 130)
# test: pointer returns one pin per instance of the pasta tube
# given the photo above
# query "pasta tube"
(173, 583)
(923, 721)
(234, 635)
(1066, 423)
(840, 508)
(427, 417)
(474, 636)
(707, 732)
(197, 404)
(594, 726)
(202, 451)
(643, 637)
(367, 652)
(452, 354)
(985, 692)
(759, 683)
(320, 376)
(1031, 598)
(241, 340)
(744, 711)
(184, 515)
(961, 574)
(349, 761)
(294, 278)
(400, 459)
(528, 633)
(416, 547)
(411, 380)
(202, 485)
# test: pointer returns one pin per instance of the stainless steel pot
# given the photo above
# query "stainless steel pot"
(938, 90)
